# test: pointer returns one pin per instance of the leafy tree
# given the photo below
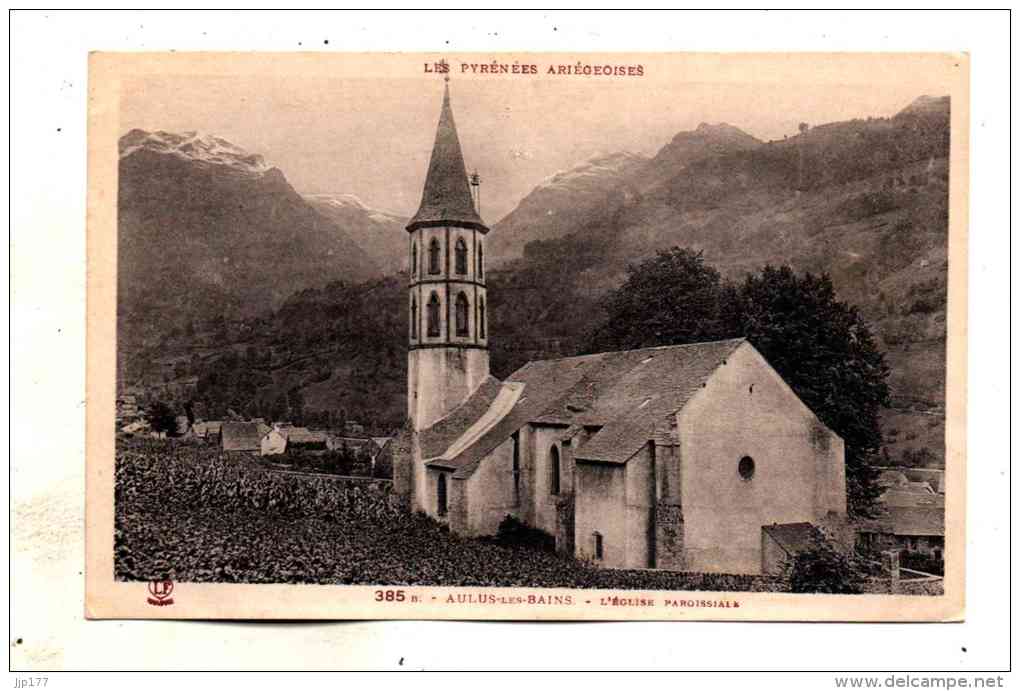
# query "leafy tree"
(162, 418)
(671, 298)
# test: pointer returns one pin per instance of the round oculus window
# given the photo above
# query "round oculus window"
(746, 467)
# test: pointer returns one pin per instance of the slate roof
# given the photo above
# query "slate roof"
(898, 497)
(794, 538)
(437, 438)
(908, 520)
(628, 394)
(934, 477)
(241, 436)
(303, 435)
(446, 197)
(890, 478)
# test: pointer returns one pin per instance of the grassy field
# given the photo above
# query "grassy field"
(188, 513)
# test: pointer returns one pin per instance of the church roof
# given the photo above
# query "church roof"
(446, 197)
(629, 395)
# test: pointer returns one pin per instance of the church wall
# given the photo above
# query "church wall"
(490, 492)
(723, 513)
(544, 512)
(640, 501)
(600, 505)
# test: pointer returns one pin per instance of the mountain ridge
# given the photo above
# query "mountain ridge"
(207, 229)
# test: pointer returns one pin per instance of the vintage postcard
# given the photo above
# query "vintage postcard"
(527, 336)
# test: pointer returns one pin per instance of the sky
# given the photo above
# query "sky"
(372, 137)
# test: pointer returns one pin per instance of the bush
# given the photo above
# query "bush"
(513, 532)
(823, 570)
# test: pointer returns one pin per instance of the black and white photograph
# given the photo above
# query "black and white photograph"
(526, 323)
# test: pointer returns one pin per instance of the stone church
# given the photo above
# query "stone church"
(677, 457)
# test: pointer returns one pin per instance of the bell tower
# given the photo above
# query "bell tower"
(448, 354)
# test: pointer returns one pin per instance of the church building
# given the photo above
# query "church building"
(678, 457)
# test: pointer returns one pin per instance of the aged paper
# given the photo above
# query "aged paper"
(363, 341)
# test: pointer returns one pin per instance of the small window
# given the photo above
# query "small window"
(441, 506)
(434, 252)
(481, 269)
(462, 314)
(414, 258)
(414, 318)
(554, 470)
(460, 256)
(597, 545)
(432, 316)
(746, 467)
(481, 317)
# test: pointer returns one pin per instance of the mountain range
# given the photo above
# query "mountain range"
(206, 229)
(864, 200)
(379, 233)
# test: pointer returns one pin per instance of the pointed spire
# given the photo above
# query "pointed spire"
(446, 199)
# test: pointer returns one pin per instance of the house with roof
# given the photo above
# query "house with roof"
(912, 529)
(914, 480)
(675, 457)
(274, 442)
(242, 436)
(208, 430)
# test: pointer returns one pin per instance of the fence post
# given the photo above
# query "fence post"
(894, 570)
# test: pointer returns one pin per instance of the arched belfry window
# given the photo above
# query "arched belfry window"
(462, 314)
(481, 268)
(414, 317)
(434, 252)
(441, 505)
(554, 470)
(432, 316)
(481, 317)
(460, 256)
(414, 258)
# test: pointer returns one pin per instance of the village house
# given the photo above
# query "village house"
(207, 430)
(274, 442)
(676, 457)
(242, 436)
(912, 529)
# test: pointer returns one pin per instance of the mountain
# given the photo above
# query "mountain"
(588, 193)
(927, 105)
(382, 235)
(570, 194)
(207, 230)
(704, 141)
(865, 201)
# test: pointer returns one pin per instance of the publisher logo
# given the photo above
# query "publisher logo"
(160, 592)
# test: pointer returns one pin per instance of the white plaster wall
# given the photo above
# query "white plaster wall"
(727, 420)
(600, 506)
(490, 491)
(440, 379)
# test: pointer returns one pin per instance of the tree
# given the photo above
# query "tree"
(162, 418)
(296, 405)
(671, 298)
